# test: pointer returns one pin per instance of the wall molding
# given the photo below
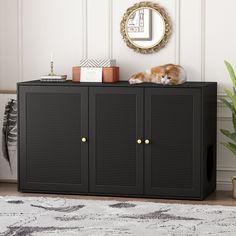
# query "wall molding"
(203, 40)
(220, 185)
(177, 31)
(227, 115)
(110, 26)
(9, 181)
(7, 91)
(224, 185)
(20, 39)
(219, 103)
(85, 28)
(220, 118)
(227, 168)
(219, 96)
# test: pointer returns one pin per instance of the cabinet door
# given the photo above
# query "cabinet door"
(115, 124)
(52, 120)
(173, 126)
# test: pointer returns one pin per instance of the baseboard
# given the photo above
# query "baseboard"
(224, 185)
(221, 184)
(9, 181)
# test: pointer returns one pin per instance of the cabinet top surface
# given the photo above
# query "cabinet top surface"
(118, 84)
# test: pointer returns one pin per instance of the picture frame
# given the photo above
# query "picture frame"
(139, 25)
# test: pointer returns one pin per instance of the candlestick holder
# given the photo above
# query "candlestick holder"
(52, 70)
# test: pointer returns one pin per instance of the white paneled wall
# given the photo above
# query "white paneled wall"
(8, 44)
(50, 26)
(203, 36)
(98, 26)
(191, 45)
(220, 40)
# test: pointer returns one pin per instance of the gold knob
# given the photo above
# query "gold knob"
(139, 141)
(84, 140)
(147, 141)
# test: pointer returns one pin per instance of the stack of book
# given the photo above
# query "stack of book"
(53, 78)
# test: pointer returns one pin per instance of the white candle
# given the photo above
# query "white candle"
(51, 56)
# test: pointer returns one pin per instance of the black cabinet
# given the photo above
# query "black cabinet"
(173, 125)
(115, 122)
(116, 139)
(52, 121)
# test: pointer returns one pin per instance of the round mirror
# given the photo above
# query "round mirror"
(146, 27)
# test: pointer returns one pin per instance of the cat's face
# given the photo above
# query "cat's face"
(169, 79)
(169, 74)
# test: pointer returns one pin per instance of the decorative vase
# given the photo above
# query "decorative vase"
(234, 186)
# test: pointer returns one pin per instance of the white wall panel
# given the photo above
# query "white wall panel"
(220, 40)
(191, 13)
(8, 44)
(51, 26)
(98, 28)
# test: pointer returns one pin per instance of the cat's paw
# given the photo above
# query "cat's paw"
(135, 81)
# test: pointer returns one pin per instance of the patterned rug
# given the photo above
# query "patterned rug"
(60, 216)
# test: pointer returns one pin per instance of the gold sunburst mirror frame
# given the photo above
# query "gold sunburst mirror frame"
(167, 27)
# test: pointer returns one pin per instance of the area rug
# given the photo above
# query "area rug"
(60, 216)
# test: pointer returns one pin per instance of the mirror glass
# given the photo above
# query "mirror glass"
(145, 27)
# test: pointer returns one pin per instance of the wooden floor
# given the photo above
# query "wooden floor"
(217, 198)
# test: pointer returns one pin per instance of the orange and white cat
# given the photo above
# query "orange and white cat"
(169, 74)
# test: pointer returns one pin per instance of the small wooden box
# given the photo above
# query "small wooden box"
(76, 74)
(109, 74)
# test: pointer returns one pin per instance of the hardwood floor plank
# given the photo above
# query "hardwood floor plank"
(218, 198)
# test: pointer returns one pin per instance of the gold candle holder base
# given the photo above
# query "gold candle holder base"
(52, 70)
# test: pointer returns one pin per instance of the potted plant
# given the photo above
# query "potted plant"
(230, 102)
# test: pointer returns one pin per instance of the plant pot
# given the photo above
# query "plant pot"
(234, 186)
